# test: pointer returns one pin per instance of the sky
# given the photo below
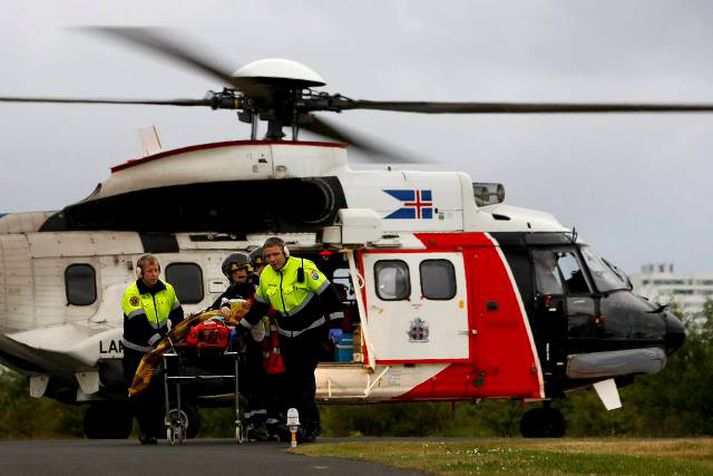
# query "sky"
(636, 187)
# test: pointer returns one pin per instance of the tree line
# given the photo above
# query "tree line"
(676, 402)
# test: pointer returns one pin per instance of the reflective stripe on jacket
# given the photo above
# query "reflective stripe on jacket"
(282, 290)
(299, 305)
(147, 313)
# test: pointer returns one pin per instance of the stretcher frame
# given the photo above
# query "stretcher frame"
(175, 420)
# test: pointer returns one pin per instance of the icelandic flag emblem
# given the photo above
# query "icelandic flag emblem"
(416, 204)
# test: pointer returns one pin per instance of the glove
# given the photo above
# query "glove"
(335, 335)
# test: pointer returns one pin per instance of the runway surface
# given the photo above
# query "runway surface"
(200, 457)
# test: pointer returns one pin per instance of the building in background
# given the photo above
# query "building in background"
(659, 283)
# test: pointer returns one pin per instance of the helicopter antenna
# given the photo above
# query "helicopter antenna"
(573, 235)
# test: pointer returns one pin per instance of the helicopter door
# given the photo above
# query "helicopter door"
(563, 301)
(581, 305)
(416, 307)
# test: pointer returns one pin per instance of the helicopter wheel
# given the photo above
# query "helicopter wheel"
(543, 423)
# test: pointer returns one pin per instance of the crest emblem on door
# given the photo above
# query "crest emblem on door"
(418, 331)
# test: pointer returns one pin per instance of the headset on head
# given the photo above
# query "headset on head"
(286, 252)
(142, 261)
(277, 241)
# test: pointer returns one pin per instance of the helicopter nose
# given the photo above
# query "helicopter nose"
(675, 333)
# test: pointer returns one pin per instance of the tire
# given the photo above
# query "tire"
(531, 423)
(553, 425)
(170, 436)
(107, 420)
(193, 417)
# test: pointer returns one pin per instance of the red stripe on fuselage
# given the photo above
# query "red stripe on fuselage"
(501, 362)
(214, 145)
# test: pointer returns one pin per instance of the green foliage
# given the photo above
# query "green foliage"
(676, 402)
(217, 422)
(24, 417)
(386, 419)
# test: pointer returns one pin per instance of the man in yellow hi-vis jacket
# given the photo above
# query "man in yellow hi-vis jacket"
(304, 300)
(150, 308)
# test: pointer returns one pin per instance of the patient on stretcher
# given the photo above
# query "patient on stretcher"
(228, 315)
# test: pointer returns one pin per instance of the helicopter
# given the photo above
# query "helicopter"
(453, 294)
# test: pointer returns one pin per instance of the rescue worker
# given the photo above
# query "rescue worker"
(257, 259)
(238, 269)
(546, 273)
(274, 424)
(302, 296)
(150, 308)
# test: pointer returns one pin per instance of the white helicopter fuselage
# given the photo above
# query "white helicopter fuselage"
(47, 336)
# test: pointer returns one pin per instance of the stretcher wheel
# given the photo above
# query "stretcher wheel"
(239, 434)
(175, 434)
(170, 436)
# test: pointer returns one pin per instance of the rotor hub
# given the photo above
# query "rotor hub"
(284, 72)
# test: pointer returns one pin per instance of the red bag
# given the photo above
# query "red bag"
(273, 363)
(208, 335)
(272, 358)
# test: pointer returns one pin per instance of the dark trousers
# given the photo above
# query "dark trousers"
(301, 356)
(253, 381)
(146, 406)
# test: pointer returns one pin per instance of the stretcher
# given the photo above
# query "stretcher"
(175, 361)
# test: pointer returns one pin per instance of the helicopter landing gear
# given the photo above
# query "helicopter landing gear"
(543, 422)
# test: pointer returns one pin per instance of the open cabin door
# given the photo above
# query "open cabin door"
(416, 306)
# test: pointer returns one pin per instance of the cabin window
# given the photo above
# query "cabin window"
(187, 279)
(80, 284)
(438, 279)
(392, 280)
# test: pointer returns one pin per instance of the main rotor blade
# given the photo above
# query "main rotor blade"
(159, 102)
(519, 108)
(327, 129)
(158, 41)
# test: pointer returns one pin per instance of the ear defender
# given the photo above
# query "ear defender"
(140, 263)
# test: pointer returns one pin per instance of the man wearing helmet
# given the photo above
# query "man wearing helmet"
(257, 259)
(238, 269)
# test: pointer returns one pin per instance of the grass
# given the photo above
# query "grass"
(590, 456)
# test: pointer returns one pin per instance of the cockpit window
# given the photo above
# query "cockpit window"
(558, 271)
(572, 272)
(605, 277)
